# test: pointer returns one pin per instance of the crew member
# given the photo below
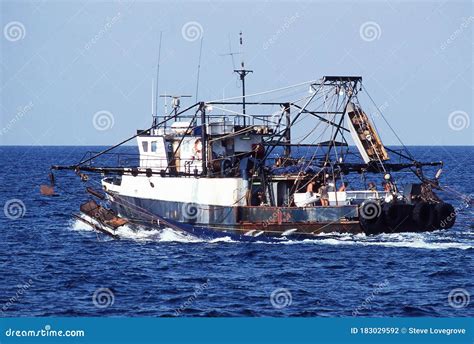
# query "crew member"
(311, 197)
(371, 186)
(343, 187)
(323, 191)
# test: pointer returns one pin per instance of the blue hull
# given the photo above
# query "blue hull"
(238, 223)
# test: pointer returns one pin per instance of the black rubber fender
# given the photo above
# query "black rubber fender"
(445, 215)
(422, 214)
(397, 216)
(433, 221)
(371, 217)
(375, 226)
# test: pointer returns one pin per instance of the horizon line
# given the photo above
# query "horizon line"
(102, 145)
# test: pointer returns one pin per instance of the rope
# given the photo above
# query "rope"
(393, 131)
(265, 92)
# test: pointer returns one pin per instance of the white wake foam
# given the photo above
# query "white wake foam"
(140, 233)
(79, 226)
(223, 239)
(430, 241)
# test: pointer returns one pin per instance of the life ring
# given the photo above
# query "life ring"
(421, 214)
(445, 215)
(197, 149)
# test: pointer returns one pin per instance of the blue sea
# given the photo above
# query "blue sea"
(53, 265)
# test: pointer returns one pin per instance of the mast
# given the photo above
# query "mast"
(153, 100)
(198, 71)
(242, 73)
(342, 81)
(155, 114)
(202, 108)
(286, 110)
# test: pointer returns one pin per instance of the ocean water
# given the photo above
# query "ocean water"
(53, 265)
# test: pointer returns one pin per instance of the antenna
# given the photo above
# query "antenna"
(231, 53)
(175, 101)
(155, 117)
(242, 73)
(241, 48)
(223, 99)
(152, 98)
(166, 105)
(198, 70)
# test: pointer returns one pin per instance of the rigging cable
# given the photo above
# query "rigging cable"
(266, 92)
(158, 74)
(393, 131)
(198, 70)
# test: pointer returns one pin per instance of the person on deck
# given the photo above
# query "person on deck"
(311, 197)
(323, 191)
(387, 187)
(343, 187)
(371, 186)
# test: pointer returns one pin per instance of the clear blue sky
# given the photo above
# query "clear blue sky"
(63, 61)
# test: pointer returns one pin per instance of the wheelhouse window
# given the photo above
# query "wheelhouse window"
(145, 146)
(153, 146)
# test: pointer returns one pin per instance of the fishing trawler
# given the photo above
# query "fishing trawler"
(231, 167)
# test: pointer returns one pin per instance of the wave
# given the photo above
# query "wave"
(432, 241)
(139, 233)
